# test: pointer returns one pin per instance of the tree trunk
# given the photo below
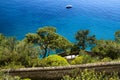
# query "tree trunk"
(48, 52)
(45, 52)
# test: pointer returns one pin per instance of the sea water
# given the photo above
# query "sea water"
(19, 17)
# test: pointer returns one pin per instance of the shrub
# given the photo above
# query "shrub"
(54, 60)
(83, 59)
(91, 75)
(26, 79)
(106, 59)
(107, 48)
(117, 60)
(8, 77)
(78, 60)
(16, 53)
(34, 62)
(12, 65)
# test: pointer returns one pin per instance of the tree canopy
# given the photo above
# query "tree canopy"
(107, 48)
(117, 36)
(84, 40)
(16, 52)
(48, 39)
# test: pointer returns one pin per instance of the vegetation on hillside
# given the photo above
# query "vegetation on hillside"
(83, 41)
(91, 75)
(107, 48)
(48, 40)
(83, 58)
(27, 52)
(4, 76)
(15, 54)
(54, 60)
(36, 48)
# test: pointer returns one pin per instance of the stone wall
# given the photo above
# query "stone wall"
(58, 72)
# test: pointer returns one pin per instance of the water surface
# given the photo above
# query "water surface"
(19, 17)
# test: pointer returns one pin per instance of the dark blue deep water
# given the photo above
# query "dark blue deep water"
(101, 17)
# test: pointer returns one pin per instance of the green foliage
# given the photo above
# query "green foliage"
(78, 60)
(116, 60)
(107, 48)
(82, 52)
(48, 40)
(106, 59)
(75, 50)
(26, 79)
(8, 77)
(84, 40)
(27, 52)
(4, 76)
(82, 59)
(91, 75)
(54, 60)
(12, 65)
(7, 46)
(117, 36)
(15, 54)
(34, 62)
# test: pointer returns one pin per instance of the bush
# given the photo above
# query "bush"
(107, 48)
(83, 59)
(78, 60)
(106, 59)
(54, 60)
(16, 53)
(8, 77)
(12, 65)
(91, 75)
(26, 79)
(34, 62)
(117, 60)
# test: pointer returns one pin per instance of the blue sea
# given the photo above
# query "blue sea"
(19, 17)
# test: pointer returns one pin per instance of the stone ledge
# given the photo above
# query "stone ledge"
(53, 72)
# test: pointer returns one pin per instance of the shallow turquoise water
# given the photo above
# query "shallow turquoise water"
(101, 17)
